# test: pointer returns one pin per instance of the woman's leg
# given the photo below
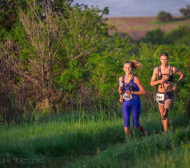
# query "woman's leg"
(136, 109)
(126, 115)
(127, 131)
(144, 132)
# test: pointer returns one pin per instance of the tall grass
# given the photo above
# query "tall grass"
(62, 138)
(128, 154)
(179, 157)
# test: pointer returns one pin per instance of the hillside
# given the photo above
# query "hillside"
(138, 26)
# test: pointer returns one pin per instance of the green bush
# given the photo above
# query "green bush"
(155, 37)
(164, 16)
(179, 36)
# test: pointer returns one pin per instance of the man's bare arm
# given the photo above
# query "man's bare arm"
(181, 74)
(153, 81)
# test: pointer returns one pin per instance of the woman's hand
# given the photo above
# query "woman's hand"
(121, 100)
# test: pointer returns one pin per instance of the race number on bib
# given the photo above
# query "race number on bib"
(159, 96)
(127, 97)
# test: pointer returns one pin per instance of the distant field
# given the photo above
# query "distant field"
(138, 26)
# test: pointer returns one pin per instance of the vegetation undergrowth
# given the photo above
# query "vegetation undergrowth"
(178, 157)
(127, 154)
(66, 137)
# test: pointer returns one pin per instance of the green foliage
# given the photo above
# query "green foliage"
(73, 55)
(58, 59)
(185, 11)
(105, 67)
(178, 36)
(155, 37)
(164, 16)
(149, 60)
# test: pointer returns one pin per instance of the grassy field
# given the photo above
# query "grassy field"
(81, 139)
(138, 26)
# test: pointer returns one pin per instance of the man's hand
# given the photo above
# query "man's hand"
(174, 87)
(161, 81)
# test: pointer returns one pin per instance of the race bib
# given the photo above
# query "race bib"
(127, 97)
(160, 96)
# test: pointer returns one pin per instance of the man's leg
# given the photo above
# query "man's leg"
(161, 109)
(164, 109)
(167, 106)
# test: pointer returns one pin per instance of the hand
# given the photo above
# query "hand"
(121, 99)
(174, 87)
(161, 81)
(166, 78)
(128, 92)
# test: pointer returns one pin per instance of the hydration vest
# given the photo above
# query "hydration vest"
(170, 79)
(131, 88)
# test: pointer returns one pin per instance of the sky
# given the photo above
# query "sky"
(123, 8)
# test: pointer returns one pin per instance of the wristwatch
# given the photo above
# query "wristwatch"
(132, 92)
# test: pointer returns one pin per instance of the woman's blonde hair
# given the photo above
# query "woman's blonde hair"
(134, 64)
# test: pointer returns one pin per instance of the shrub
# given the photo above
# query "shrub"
(155, 37)
(164, 16)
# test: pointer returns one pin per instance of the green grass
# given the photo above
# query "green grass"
(178, 157)
(163, 23)
(70, 134)
(80, 138)
(129, 153)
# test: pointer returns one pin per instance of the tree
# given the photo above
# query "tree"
(164, 16)
(185, 11)
(48, 51)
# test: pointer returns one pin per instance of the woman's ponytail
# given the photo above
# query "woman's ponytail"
(136, 64)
